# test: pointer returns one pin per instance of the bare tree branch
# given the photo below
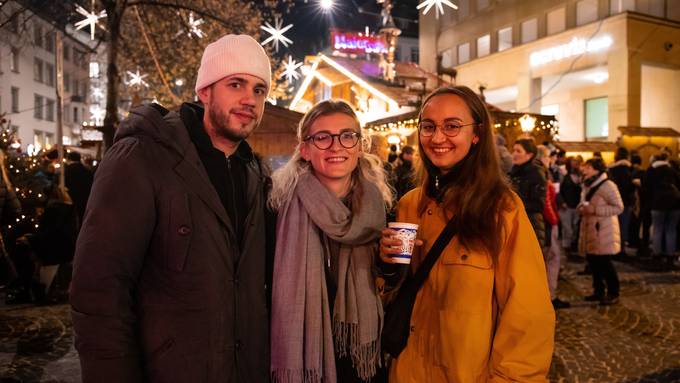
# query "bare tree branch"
(195, 10)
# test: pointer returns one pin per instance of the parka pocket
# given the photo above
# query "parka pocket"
(179, 232)
(462, 256)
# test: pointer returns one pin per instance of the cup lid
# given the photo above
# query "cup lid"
(403, 225)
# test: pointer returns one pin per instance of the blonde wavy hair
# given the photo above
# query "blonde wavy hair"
(370, 166)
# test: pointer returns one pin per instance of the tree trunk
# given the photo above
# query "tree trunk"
(113, 18)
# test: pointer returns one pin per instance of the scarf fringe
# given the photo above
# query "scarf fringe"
(295, 376)
(365, 357)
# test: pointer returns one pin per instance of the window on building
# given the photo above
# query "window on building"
(654, 7)
(14, 60)
(83, 90)
(38, 138)
(483, 45)
(76, 120)
(481, 4)
(38, 106)
(15, 100)
(37, 69)
(67, 116)
(67, 52)
(67, 82)
(556, 21)
(76, 87)
(49, 74)
(448, 58)
(586, 11)
(597, 117)
(49, 109)
(37, 35)
(618, 6)
(463, 53)
(49, 42)
(415, 55)
(14, 24)
(529, 30)
(504, 39)
(49, 140)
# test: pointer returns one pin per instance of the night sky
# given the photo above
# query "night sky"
(310, 32)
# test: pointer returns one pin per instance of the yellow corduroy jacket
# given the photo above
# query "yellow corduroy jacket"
(474, 321)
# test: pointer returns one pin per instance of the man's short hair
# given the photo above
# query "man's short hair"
(73, 156)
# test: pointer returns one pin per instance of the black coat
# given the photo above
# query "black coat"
(78, 180)
(162, 289)
(570, 192)
(530, 182)
(661, 187)
(621, 172)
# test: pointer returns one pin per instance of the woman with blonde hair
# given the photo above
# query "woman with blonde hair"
(483, 312)
(331, 199)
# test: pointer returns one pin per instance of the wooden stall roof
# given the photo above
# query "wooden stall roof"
(278, 119)
(586, 146)
(648, 132)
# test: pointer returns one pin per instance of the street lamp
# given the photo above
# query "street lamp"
(327, 5)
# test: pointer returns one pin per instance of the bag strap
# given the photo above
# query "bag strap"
(435, 251)
(592, 191)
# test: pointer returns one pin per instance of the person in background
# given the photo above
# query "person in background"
(78, 180)
(331, 198)
(404, 173)
(621, 172)
(568, 199)
(483, 314)
(529, 181)
(637, 174)
(662, 187)
(552, 250)
(503, 153)
(599, 237)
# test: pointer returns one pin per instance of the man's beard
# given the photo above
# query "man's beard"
(220, 122)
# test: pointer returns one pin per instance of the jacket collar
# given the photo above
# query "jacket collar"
(619, 163)
(659, 163)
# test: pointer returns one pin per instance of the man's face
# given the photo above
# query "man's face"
(234, 105)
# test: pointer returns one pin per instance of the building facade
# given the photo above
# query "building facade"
(28, 78)
(596, 65)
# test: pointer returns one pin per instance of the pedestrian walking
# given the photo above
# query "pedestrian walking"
(331, 198)
(529, 181)
(599, 235)
(483, 313)
(169, 275)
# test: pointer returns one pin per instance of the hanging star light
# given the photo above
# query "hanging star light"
(290, 69)
(428, 4)
(194, 25)
(91, 19)
(276, 31)
(137, 79)
(97, 92)
(97, 113)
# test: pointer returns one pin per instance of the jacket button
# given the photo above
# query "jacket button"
(184, 230)
(429, 211)
(413, 328)
(464, 257)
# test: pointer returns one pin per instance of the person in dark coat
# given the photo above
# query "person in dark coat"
(662, 187)
(169, 280)
(529, 181)
(404, 173)
(567, 200)
(621, 172)
(78, 180)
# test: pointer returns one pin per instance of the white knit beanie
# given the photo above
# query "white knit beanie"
(233, 54)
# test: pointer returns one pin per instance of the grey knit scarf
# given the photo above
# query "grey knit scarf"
(304, 336)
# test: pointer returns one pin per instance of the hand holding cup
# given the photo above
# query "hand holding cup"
(397, 242)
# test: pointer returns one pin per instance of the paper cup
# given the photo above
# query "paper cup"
(407, 233)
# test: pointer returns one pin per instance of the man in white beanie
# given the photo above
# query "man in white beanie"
(171, 268)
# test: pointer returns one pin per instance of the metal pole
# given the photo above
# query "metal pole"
(59, 58)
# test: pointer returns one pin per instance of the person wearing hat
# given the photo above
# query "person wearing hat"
(169, 280)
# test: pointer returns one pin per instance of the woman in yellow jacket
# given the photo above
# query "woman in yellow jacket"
(484, 313)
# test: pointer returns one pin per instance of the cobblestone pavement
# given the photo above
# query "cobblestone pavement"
(637, 340)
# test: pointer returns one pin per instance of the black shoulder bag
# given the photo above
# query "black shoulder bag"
(398, 314)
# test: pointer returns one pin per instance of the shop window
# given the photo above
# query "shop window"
(586, 11)
(463, 53)
(529, 30)
(37, 69)
(49, 110)
(15, 100)
(483, 45)
(597, 117)
(618, 6)
(504, 39)
(556, 21)
(38, 107)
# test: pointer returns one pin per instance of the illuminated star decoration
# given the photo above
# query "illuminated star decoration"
(91, 19)
(194, 25)
(97, 114)
(276, 33)
(97, 92)
(428, 4)
(137, 79)
(290, 69)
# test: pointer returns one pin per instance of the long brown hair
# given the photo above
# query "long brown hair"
(480, 191)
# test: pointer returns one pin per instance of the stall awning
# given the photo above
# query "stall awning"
(586, 146)
(648, 132)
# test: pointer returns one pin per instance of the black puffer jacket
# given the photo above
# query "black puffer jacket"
(662, 186)
(529, 181)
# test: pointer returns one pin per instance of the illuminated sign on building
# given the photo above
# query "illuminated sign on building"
(575, 47)
(350, 42)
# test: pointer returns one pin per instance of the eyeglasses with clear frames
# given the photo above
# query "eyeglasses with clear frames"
(324, 141)
(450, 129)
